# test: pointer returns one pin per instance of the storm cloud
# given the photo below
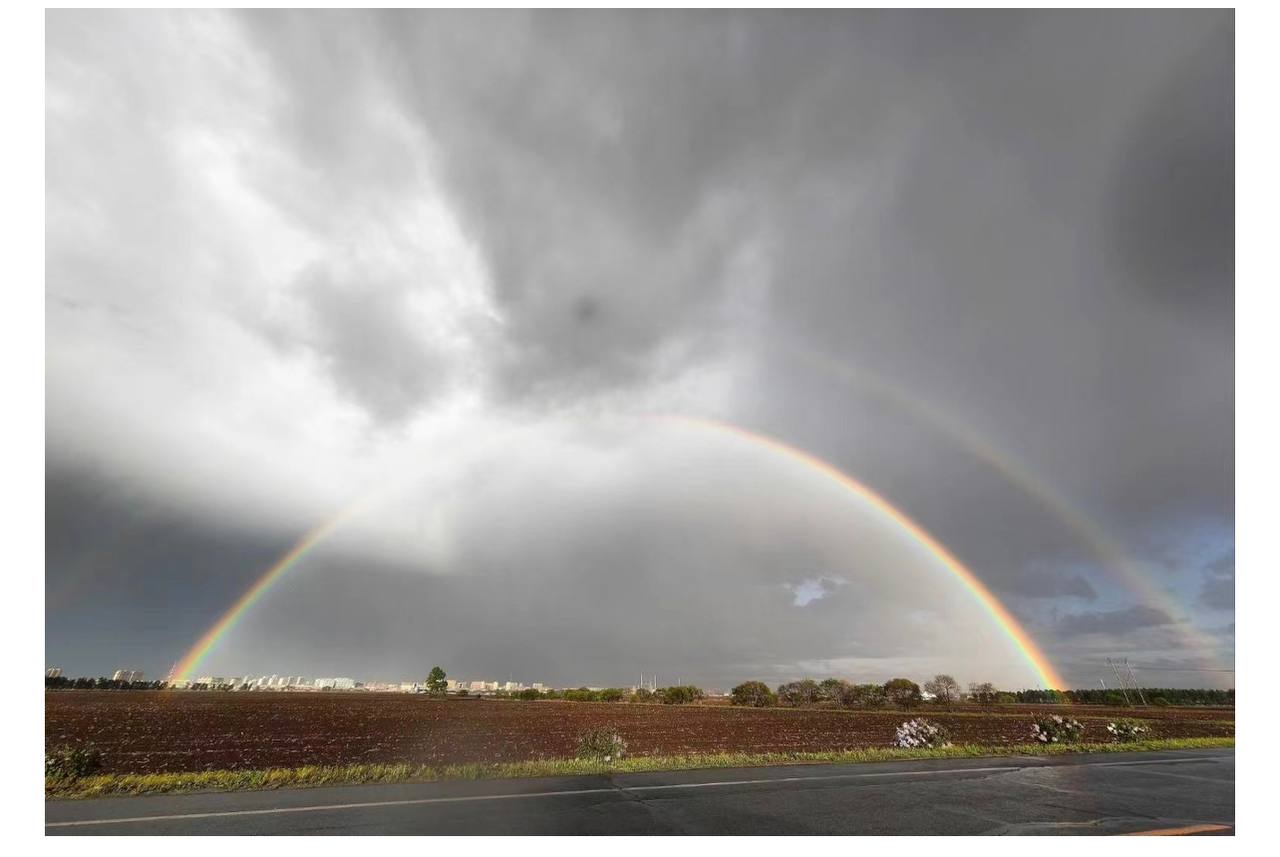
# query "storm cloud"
(462, 269)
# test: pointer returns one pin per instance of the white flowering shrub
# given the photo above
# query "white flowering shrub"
(1126, 730)
(921, 733)
(1056, 729)
(602, 744)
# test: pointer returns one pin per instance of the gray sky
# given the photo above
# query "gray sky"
(455, 273)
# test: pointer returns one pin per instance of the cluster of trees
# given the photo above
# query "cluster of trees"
(944, 690)
(1153, 695)
(678, 695)
(838, 693)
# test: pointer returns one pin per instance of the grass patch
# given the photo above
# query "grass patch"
(102, 785)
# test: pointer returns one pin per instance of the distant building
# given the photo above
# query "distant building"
(53, 672)
(127, 675)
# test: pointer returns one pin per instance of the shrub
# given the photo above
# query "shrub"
(642, 694)
(529, 693)
(680, 694)
(602, 743)
(921, 733)
(798, 693)
(1159, 700)
(753, 693)
(612, 694)
(902, 692)
(68, 763)
(1126, 730)
(1056, 729)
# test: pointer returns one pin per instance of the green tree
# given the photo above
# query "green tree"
(753, 693)
(436, 684)
(865, 696)
(902, 692)
(832, 690)
(681, 694)
(798, 694)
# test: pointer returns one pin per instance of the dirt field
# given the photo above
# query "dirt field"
(143, 732)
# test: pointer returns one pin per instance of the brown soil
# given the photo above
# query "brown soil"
(153, 731)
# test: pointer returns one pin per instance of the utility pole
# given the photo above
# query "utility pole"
(1133, 680)
(1119, 678)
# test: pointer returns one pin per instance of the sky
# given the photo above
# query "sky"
(496, 288)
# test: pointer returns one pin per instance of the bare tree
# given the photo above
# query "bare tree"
(983, 693)
(945, 689)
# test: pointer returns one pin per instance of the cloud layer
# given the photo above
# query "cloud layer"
(456, 263)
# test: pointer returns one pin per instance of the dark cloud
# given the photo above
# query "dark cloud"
(1116, 622)
(1219, 587)
(979, 260)
(1172, 216)
(1051, 584)
(364, 334)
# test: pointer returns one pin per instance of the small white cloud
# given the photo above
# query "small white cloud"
(813, 589)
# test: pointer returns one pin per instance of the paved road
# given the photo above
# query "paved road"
(1087, 794)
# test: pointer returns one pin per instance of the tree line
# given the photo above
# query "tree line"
(944, 690)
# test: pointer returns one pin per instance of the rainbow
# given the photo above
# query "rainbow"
(1012, 629)
(186, 667)
(1110, 555)
(1031, 652)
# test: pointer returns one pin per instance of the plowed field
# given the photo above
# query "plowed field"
(146, 731)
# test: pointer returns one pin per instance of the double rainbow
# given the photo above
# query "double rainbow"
(1026, 646)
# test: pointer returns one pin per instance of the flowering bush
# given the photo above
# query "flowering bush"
(921, 733)
(602, 743)
(1126, 730)
(1056, 729)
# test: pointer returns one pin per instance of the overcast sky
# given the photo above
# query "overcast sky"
(457, 271)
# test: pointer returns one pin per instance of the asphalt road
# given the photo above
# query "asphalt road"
(1186, 791)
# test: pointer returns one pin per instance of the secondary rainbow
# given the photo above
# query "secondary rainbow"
(1012, 629)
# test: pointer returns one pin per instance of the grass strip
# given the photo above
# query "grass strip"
(103, 785)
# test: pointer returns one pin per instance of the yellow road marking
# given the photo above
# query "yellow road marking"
(1181, 831)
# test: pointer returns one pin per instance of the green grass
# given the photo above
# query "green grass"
(277, 778)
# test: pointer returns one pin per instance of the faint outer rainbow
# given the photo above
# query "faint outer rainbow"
(1004, 619)
(1011, 627)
